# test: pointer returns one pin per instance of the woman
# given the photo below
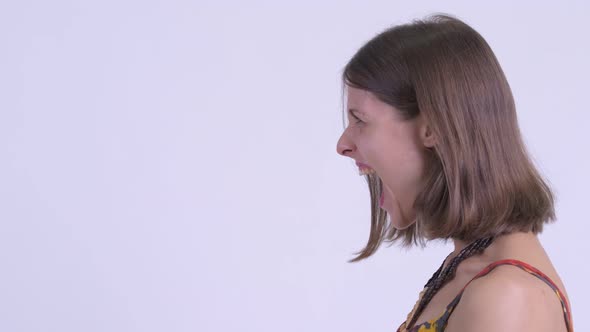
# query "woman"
(433, 127)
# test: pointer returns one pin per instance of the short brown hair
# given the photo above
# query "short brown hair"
(480, 180)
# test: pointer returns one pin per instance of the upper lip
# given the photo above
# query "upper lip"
(361, 165)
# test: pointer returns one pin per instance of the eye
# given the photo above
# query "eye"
(356, 118)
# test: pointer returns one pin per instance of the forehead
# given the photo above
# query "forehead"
(363, 101)
(357, 97)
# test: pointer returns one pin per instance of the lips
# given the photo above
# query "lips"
(361, 165)
(364, 169)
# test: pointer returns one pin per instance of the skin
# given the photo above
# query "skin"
(394, 148)
(508, 298)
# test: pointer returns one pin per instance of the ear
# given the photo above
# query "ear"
(427, 135)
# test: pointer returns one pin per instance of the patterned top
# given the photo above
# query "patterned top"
(439, 324)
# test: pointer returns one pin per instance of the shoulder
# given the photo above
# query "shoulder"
(507, 299)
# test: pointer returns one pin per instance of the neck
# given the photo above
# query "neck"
(501, 243)
(459, 245)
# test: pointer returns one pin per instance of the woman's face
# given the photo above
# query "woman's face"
(394, 148)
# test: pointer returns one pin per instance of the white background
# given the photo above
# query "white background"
(172, 165)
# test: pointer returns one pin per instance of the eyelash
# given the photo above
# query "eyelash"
(356, 118)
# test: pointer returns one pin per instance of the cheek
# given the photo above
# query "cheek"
(404, 167)
(395, 154)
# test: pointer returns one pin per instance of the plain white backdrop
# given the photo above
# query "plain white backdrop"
(172, 165)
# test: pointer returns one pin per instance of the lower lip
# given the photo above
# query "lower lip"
(381, 199)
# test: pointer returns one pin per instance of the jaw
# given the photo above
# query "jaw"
(393, 206)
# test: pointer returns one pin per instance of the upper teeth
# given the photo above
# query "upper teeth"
(366, 171)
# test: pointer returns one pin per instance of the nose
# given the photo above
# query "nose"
(345, 146)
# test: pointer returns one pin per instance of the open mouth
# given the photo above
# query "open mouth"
(366, 170)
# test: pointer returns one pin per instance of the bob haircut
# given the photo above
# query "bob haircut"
(479, 180)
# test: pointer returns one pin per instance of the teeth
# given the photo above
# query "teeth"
(366, 171)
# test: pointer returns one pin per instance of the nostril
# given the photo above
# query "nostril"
(344, 152)
(344, 147)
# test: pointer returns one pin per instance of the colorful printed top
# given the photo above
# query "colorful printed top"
(439, 324)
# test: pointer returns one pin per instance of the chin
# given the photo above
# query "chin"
(398, 221)
(401, 225)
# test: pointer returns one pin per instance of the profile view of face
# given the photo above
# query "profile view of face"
(394, 148)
